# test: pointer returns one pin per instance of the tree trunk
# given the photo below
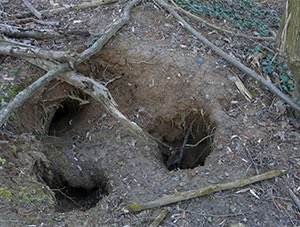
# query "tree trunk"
(289, 40)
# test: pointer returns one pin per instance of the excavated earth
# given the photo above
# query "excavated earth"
(82, 166)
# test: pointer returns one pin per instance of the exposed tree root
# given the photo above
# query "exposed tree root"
(96, 90)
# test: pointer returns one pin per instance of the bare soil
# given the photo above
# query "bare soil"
(67, 162)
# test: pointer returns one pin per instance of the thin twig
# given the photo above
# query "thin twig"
(294, 198)
(33, 9)
(68, 197)
(250, 156)
(200, 141)
(182, 149)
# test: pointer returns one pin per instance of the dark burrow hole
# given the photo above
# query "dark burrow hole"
(77, 198)
(184, 143)
(67, 197)
(67, 110)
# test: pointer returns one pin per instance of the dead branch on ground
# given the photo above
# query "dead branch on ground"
(6, 48)
(61, 68)
(18, 33)
(55, 23)
(70, 7)
(181, 196)
(230, 59)
(294, 198)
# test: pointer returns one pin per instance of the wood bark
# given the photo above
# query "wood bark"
(27, 33)
(83, 5)
(181, 196)
(289, 40)
(32, 9)
(7, 48)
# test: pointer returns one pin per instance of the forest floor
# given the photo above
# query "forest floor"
(65, 161)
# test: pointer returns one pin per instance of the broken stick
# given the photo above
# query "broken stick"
(294, 198)
(181, 196)
(162, 215)
(15, 50)
(33, 9)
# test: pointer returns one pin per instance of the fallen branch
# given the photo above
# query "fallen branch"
(228, 58)
(97, 46)
(94, 89)
(294, 198)
(18, 33)
(12, 49)
(70, 7)
(27, 20)
(181, 196)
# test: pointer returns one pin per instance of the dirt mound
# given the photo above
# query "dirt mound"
(201, 131)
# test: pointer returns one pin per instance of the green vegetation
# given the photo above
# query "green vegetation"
(5, 193)
(2, 161)
(239, 14)
(249, 18)
(30, 195)
(14, 90)
(13, 149)
(271, 66)
(10, 87)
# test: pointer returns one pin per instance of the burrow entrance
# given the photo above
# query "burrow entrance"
(77, 184)
(66, 113)
(185, 142)
(77, 198)
(74, 187)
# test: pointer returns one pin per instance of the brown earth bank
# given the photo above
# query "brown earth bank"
(65, 161)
